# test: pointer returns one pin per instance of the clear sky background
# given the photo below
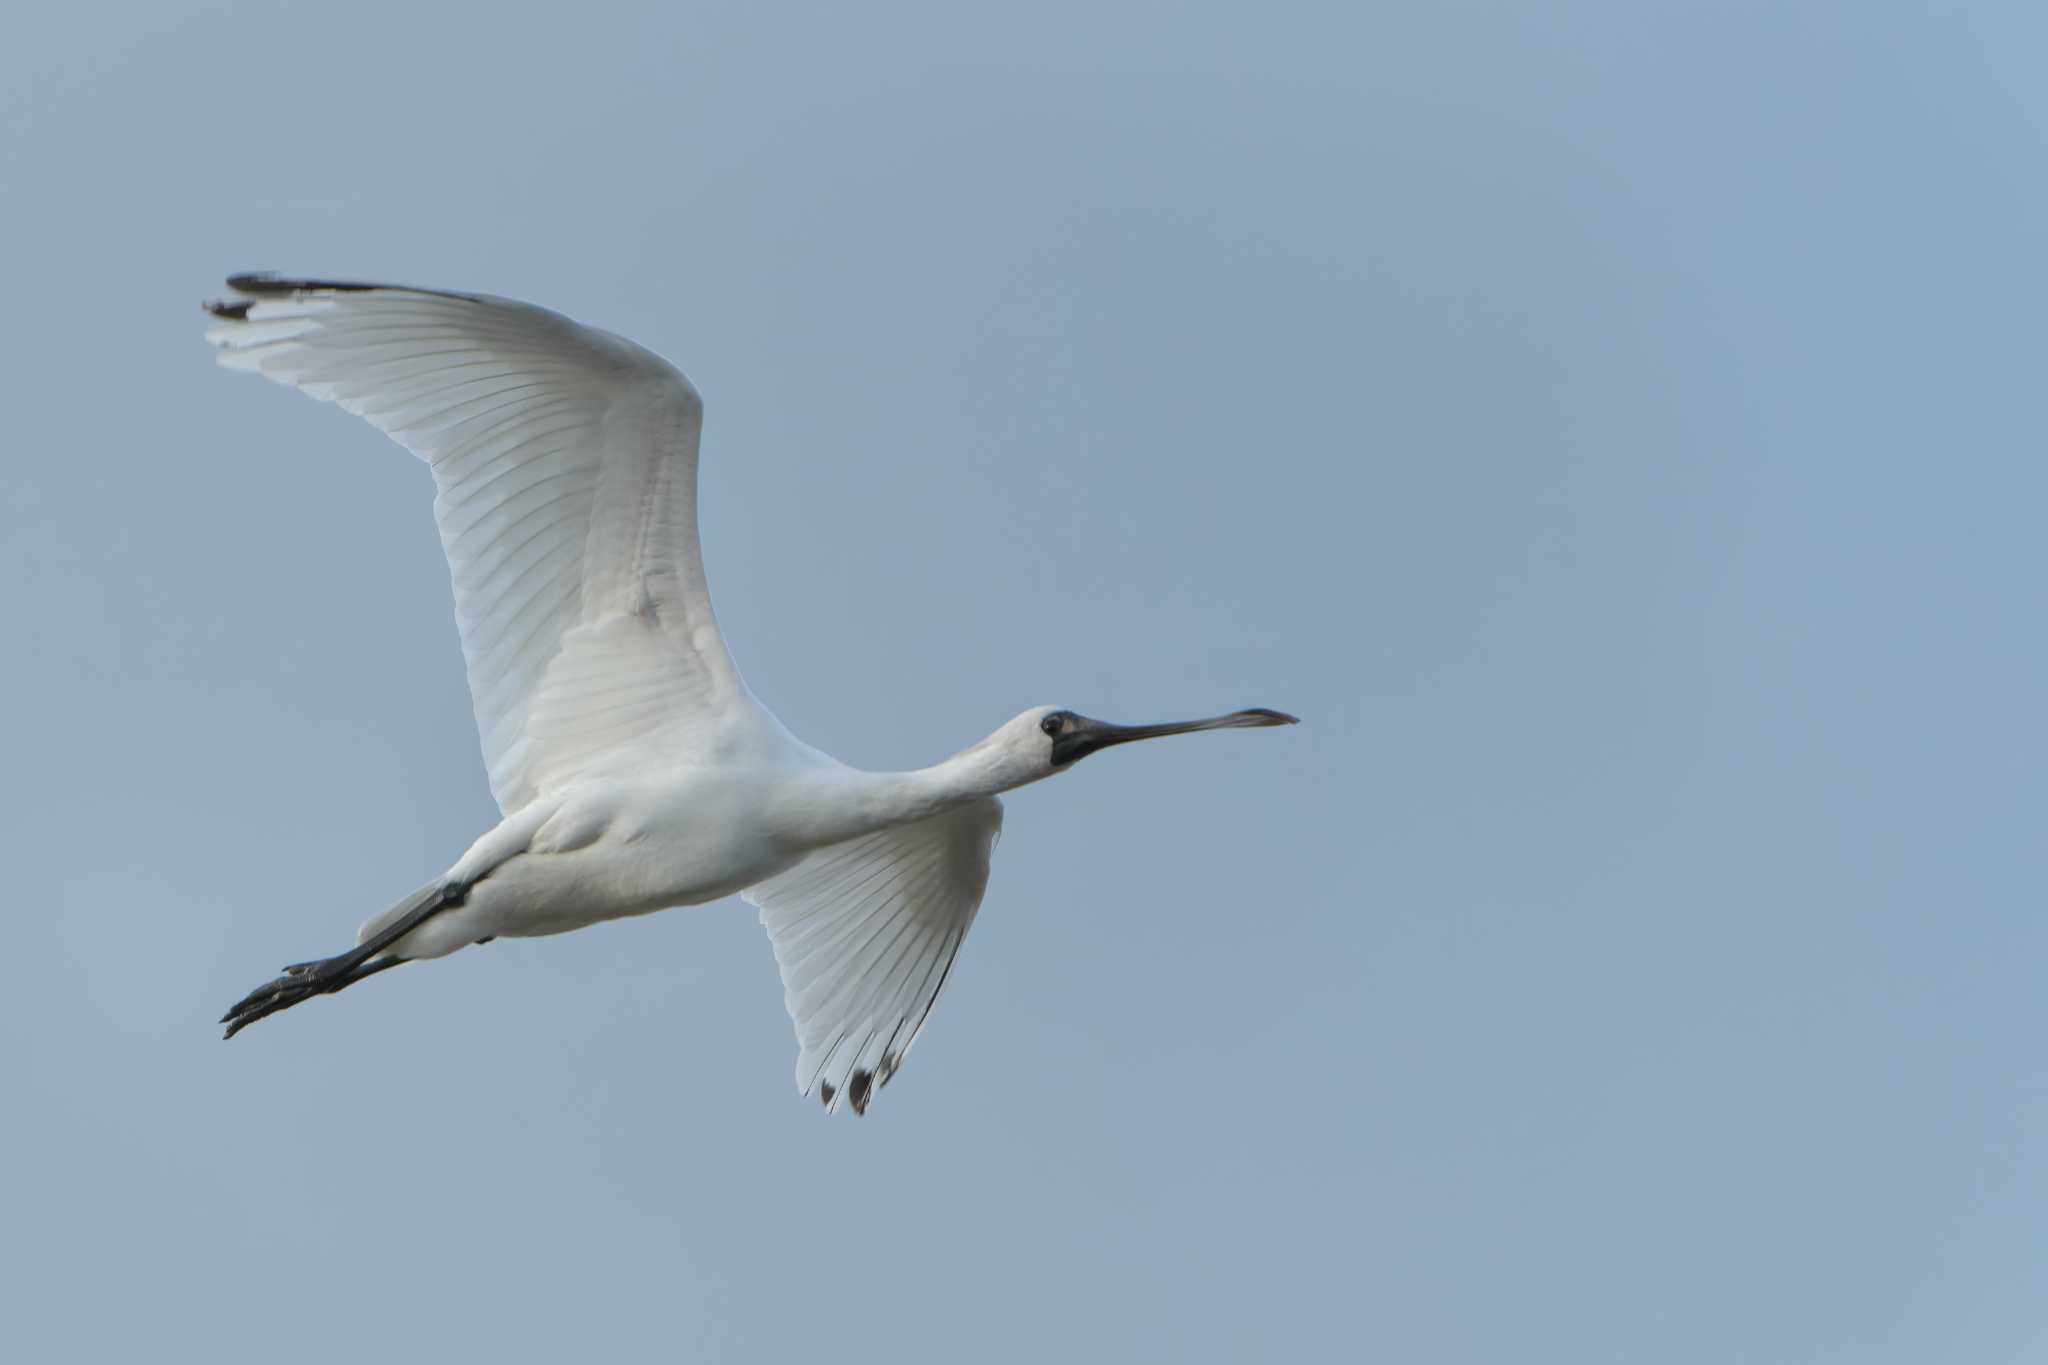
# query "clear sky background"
(1615, 428)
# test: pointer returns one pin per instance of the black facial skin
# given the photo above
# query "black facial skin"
(1075, 736)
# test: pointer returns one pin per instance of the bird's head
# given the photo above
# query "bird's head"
(1051, 739)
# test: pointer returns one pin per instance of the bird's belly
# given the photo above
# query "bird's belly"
(595, 861)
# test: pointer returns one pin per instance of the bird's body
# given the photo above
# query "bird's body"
(606, 850)
(633, 768)
(611, 846)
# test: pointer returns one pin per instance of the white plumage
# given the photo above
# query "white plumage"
(538, 431)
(634, 769)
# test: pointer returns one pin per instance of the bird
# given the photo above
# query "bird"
(632, 767)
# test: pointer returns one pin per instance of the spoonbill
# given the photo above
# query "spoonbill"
(633, 769)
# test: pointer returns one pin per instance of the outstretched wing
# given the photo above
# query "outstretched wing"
(865, 933)
(566, 464)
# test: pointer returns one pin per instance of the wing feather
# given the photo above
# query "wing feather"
(865, 934)
(565, 464)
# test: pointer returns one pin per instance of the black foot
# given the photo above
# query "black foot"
(301, 981)
(304, 980)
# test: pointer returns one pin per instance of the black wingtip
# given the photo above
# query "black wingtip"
(265, 284)
(256, 282)
(269, 284)
(237, 311)
(858, 1091)
(825, 1093)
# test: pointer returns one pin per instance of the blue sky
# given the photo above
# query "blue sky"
(1614, 429)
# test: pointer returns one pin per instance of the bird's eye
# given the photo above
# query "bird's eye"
(1051, 724)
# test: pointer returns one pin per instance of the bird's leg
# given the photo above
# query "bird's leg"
(304, 980)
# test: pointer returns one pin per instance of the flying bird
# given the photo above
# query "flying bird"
(633, 768)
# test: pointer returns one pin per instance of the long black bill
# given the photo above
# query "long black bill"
(1079, 736)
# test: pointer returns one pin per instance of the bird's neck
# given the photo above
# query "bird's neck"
(847, 803)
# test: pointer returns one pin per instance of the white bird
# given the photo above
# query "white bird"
(633, 768)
